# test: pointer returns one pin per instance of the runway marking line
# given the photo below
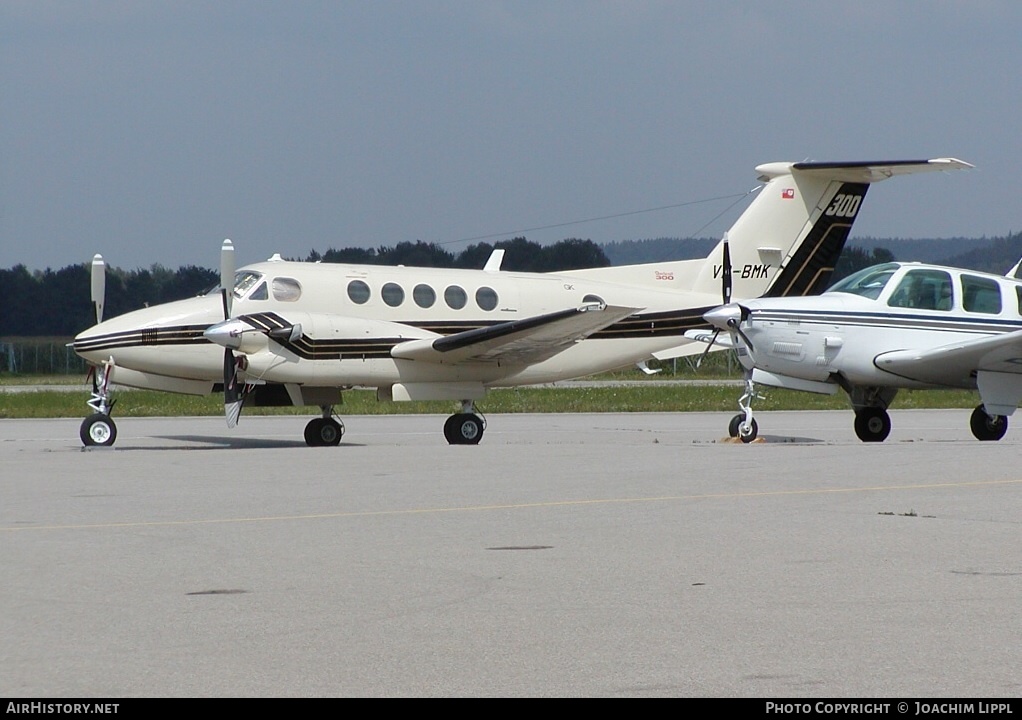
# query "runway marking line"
(511, 506)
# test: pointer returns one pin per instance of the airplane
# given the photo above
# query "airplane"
(893, 326)
(300, 333)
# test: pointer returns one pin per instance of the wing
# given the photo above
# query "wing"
(995, 363)
(519, 342)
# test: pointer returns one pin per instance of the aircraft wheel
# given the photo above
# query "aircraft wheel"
(986, 427)
(748, 432)
(321, 432)
(736, 421)
(463, 429)
(872, 424)
(98, 429)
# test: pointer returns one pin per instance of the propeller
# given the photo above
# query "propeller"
(725, 275)
(98, 286)
(230, 335)
(725, 272)
(232, 393)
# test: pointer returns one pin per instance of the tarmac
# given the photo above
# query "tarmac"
(592, 555)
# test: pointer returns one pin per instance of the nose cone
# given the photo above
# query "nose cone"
(151, 331)
(724, 317)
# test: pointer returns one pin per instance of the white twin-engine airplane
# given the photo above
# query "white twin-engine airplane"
(887, 327)
(294, 333)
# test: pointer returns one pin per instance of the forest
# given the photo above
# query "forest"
(55, 303)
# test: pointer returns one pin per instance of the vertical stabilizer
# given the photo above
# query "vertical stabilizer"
(788, 240)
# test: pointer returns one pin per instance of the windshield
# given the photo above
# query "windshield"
(868, 283)
(243, 282)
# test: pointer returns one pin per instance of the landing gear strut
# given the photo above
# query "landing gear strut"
(465, 427)
(743, 426)
(98, 428)
(324, 431)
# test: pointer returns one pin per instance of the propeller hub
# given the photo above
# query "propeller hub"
(724, 317)
(227, 334)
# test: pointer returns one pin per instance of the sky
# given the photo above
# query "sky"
(151, 131)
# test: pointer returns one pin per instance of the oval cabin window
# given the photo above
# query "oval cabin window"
(424, 296)
(455, 297)
(358, 292)
(393, 294)
(486, 298)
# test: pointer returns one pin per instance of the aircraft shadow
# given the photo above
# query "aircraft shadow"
(791, 440)
(207, 442)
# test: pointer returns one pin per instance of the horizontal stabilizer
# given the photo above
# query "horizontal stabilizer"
(871, 172)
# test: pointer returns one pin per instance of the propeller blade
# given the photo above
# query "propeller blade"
(709, 346)
(232, 393)
(233, 398)
(98, 286)
(227, 276)
(734, 326)
(726, 271)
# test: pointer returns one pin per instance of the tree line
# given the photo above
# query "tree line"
(56, 303)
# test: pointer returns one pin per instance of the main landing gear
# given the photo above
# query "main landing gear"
(987, 427)
(743, 426)
(872, 424)
(326, 430)
(98, 428)
(465, 427)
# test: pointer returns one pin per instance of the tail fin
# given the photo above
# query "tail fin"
(789, 239)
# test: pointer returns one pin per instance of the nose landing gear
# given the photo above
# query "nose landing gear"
(98, 428)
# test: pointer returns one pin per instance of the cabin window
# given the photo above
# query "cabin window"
(286, 289)
(424, 296)
(923, 290)
(981, 295)
(358, 292)
(393, 294)
(486, 298)
(455, 297)
(868, 283)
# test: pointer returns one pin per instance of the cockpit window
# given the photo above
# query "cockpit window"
(286, 289)
(245, 281)
(868, 282)
(260, 293)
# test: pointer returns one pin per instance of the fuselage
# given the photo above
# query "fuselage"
(352, 315)
(844, 334)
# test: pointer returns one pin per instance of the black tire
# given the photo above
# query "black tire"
(987, 427)
(872, 424)
(312, 432)
(736, 421)
(463, 429)
(98, 430)
(752, 434)
(323, 432)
